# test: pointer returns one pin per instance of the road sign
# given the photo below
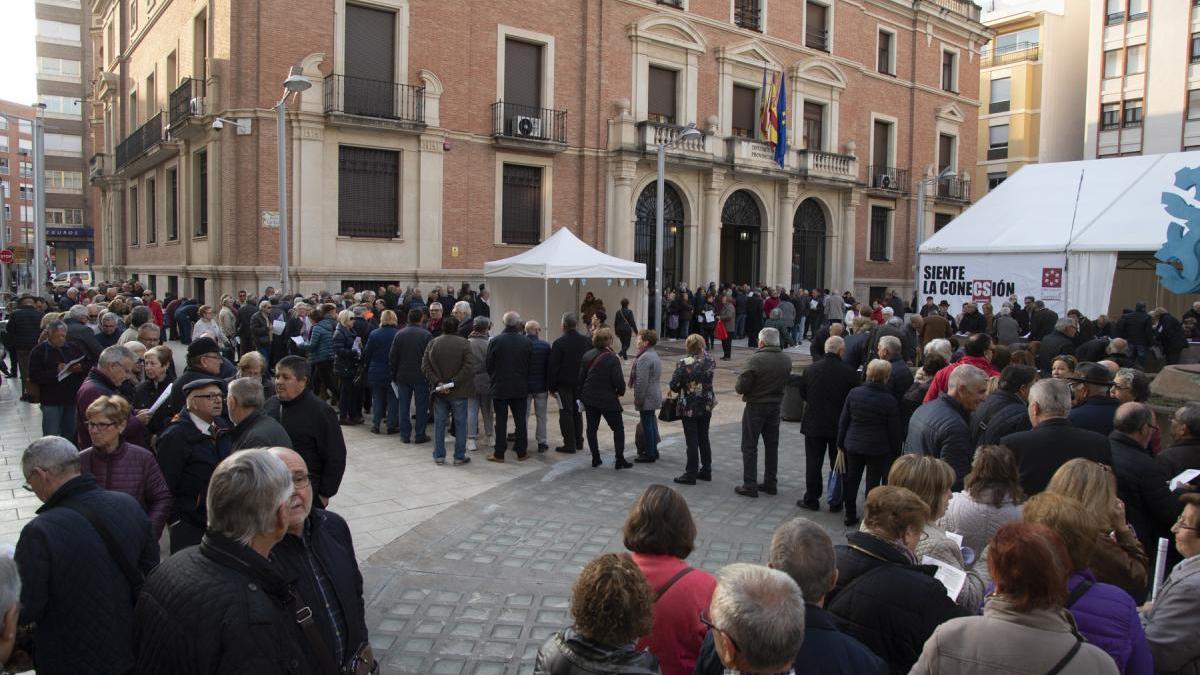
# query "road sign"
(7, 257)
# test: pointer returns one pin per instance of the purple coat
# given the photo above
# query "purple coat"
(1107, 617)
(94, 386)
(133, 470)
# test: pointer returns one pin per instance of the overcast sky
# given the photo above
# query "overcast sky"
(17, 77)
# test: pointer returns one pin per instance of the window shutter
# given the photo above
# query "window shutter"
(522, 74)
(745, 113)
(370, 44)
(661, 104)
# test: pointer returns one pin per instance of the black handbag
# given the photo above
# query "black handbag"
(669, 412)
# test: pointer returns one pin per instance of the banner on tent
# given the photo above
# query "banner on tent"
(984, 278)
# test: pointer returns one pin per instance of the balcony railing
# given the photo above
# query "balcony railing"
(828, 165)
(816, 39)
(746, 13)
(655, 134)
(99, 166)
(374, 98)
(139, 142)
(962, 7)
(888, 178)
(180, 109)
(672, 3)
(1023, 51)
(999, 152)
(954, 188)
(523, 122)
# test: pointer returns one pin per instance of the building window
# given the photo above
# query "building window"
(950, 72)
(133, 16)
(1137, 9)
(64, 144)
(151, 212)
(1016, 41)
(134, 233)
(748, 14)
(946, 152)
(941, 220)
(370, 59)
(172, 204)
(1001, 95)
(1195, 51)
(1193, 109)
(25, 193)
(61, 105)
(64, 217)
(814, 126)
(745, 107)
(52, 67)
(58, 31)
(881, 152)
(1135, 60)
(816, 26)
(1110, 116)
(998, 142)
(201, 192)
(523, 73)
(883, 61)
(64, 180)
(1114, 12)
(880, 221)
(995, 179)
(3, 166)
(661, 105)
(368, 192)
(1112, 63)
(26, 170)
(521, 217)
(1132, 116)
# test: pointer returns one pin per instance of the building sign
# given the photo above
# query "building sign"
(984, 278)
(270, 219)
(85, 232)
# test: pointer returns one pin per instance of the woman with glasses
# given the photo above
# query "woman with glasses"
(1170, 621)
(121, 466)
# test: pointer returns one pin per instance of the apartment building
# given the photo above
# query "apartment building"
(16, 184)
(1143, 82)
(438, 136)
(1032, 86)
(63, 57)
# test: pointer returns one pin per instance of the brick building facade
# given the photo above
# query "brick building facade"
(16, 185)
(437, 136)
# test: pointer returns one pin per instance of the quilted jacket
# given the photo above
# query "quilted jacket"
(1108, 618)
(320, 345)
(95, 385)
(940, 428)
(187, 458)
(131, 469)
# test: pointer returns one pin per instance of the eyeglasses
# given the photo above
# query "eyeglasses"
(708, 622)
(301, 480)
(1180, 525)
(209, 397)
(99, 425)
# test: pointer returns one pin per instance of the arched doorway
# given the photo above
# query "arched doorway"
(646, 213)
(808, 245)
(741, 223)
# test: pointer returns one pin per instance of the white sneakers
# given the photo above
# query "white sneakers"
(471, 445)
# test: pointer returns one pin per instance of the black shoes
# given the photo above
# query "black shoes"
(622, 464)
(542, 447)
(705, 476)
(811, 506)
(596, 461)
(644, 459)
(565, 450)
(850, 520)
(686, 479)
(769, 489)
(746, 490)
(835, 508)
(422, 439)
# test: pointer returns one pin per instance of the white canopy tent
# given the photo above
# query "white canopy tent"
(553, 277)
(1054, 231)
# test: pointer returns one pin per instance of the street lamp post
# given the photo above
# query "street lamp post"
(39, 200)
(919, 229)
(689, 132)
(294, 84)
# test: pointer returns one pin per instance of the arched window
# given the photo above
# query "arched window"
(646, 213)
(808, 245)
(741, 222)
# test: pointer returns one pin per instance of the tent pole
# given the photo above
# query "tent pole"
(546, 305)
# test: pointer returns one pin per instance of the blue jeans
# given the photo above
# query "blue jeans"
(59, 420)
(441, 409)
(739, 323)
(383, 399)
(798, 329)
(421, 393)
(650, 436)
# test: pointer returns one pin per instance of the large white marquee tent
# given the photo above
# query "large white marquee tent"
(1056, 232)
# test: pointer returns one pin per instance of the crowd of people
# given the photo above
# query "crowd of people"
(1011, 453)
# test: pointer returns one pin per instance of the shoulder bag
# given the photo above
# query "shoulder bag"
(131, 573)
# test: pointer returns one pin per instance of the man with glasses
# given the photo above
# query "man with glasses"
(112, 369)
(188, 451)
(1053, 441)
(1184, 452)
(1091, 384)
(57, 381)
(1150, 508)
(756, 619)
(203, 362)
(81, 561)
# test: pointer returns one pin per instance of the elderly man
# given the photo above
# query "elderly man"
(311, 424)
(108, 334)
(78, 328)
(1005, 327)
(508, 364)
(756, 618)
(803, 550)
(318, 552)
(1184, 452)
(1042, 320)
(977, 352)
(1061, 341)
(82, 561)
(251, 428)
(824, 386)
(566, 355)
(761, 385)
(902, 378)
(1117, 351)
(412, 390)
(223, 607)
(57, 381)
(1138, 328)
(1150, 508)
(112, 369)
(942, 427)
(462, 312)
(203, 363)
(1004, 411)
(539, 377)
(1053, 441)
(435, 318)
(1091, 384)
(449, 368)
(972, 321)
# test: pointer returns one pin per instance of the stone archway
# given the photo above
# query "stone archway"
(645, 213)
(809, 229)
(741, 227)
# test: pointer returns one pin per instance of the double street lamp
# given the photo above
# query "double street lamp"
(919, 228)
(690, 132)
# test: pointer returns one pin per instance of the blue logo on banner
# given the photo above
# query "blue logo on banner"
(1179, 258)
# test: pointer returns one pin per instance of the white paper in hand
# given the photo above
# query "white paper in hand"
(277, 327)
(299, 340)
(162, 398)
(951, 577)
(1186, 477)
(955, 537)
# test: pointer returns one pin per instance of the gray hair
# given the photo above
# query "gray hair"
(887, 311)
(965, 375)
(803, 550)
(1053, 397)
(245, 492)
(79, 313)
(895, 321)
(481, 323)
(1064, 323)
(776, 313)
(464, 307)
(114, 355)
(10, 586)
(762, 610)
(570, 321)
(769, 337)
(434, 305)
(834, 344)
(891, 343)
(940, 346)
(109, 316)
(532, 328)
(55, 326)
(248, 392)
(53, 454)
(1006, 310)
(1189, 416)
(511, 319)
(149, 327)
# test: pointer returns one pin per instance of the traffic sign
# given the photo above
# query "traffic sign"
(7, 257)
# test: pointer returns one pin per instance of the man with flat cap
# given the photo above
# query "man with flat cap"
(1093, 407)
(194, 443)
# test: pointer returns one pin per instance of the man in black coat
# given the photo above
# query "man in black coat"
(566, 356)
(1006, 410)
(1021, 312)
(245, 334)
(1041, 320)
(79, 329)
(404, 363)
(1150, 507)
(252, 429)
(508, 356)
(824, 386)
(1138, 329)
(754, 318)
(1169, 332)
(203, 363)
(1061, 341)
(1094, 408)
(222, 606)
(1184, 452)
(1053, 441)
(21, 336)
(311, 424)
(75, 593)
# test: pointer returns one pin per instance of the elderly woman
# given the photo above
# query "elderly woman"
(253, 365)
(156, 372)
(693, 382)
(1023, 628)
(991, 498)
(347, 350)
(121, 466)
(882, 597)
(645, 379)
(930, 479)
(776, 321)
(379, 374)
(869, 434)
(260, 330)
(661, 534)
(206, 326)
(1170, 621)
(602, 386)
(611, 607)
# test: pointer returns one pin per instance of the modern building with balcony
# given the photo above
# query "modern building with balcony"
(1032, 86)
(438, 136)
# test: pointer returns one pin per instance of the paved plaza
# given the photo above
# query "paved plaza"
(469, 569)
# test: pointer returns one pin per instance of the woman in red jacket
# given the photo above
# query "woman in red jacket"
(660, 533)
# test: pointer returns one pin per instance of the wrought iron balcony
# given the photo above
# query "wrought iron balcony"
(964, 8)
(350, 95)
(181, 109)
(888, 179)
(141, 141)
(954, 188)
(1022, 51)
(525, 123)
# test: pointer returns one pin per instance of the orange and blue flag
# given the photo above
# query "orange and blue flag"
(781, 119)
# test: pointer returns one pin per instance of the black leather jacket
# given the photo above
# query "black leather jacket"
(569, 653)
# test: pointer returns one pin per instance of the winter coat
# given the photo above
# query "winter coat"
(885, 601)
(603, 383)
(177, 400)
(188, 457)
(539, 365)
(900, 380)
(507, 363)
(260, 330)
(320, 346)
(624, 322)
(569, 653)
(449, 358)
(1004, 640)
(1041, 323)
(941, 381)
(1150, 507)
(23, 329)
(940, 428)
(765, 375)
(855, 354)
(376, 354)
(1107, 617)
(972, 323)
(678, 632)
(1007, 330)
(218, 608)
(1000, 414)
(824, 387)
(647, 380)
(312, 424)
(1096, 414)
(44, 360)
(835, 307)
(482, 382)
(692, 380)
(405, 354)
(935, 327)
(785, 340)
(977, 520)
(566, 356)
(86, 336)
(1171, 626)
(1043, 449)
(147, 392)
(95, 385)
(133, 470)
(73, 592)
(787, 312)
(754, 314)
(869, 423)
(260, 431)
(1170, 333)
(345, 359)
(1137, 327)
(1184, 454)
